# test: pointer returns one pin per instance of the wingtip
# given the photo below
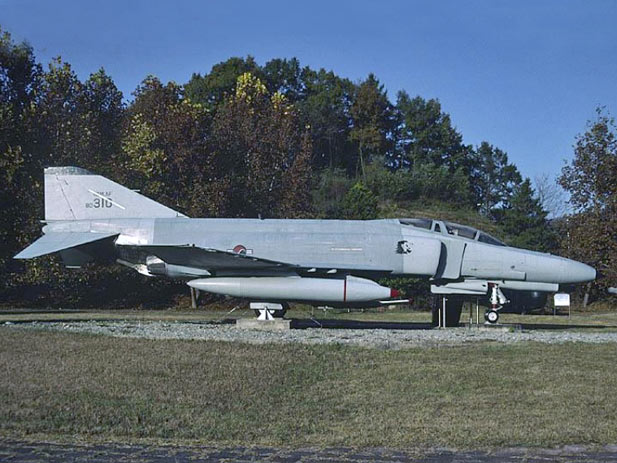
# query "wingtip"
(22, 255)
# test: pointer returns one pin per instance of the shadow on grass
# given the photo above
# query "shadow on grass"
(372, 325)
(357, 324)
(557, 326)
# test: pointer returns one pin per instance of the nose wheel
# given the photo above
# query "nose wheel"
(491, 316)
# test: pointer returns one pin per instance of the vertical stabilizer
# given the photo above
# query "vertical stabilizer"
(72, 193)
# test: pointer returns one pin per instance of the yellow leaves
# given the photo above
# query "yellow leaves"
(250, 87)
(280, 102)
(138, 145)
(195, 110)
(278, 99)
(190, 104)
(197, 107)
(253, 93)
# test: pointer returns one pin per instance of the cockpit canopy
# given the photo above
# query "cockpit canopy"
(452, 228)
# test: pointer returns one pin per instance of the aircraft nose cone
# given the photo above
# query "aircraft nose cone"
(577, 272)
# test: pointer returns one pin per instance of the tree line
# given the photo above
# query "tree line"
(277, 140)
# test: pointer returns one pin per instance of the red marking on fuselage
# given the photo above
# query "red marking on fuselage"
(345, 290)
(239, 249)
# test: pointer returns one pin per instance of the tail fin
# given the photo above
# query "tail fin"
(72, 193)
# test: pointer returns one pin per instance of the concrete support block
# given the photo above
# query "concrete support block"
(499, 327)
(278, 324)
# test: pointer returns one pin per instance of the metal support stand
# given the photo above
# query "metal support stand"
(444, 313)
(477, 310)
(470, 313)
(194, 297)
(265, 315)
(268, 311)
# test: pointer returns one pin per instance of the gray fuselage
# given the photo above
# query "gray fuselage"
(351, 247)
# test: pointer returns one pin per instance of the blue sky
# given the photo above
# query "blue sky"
(522, 75)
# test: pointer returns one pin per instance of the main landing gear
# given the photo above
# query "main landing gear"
(497, 301)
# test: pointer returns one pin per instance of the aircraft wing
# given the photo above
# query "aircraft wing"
(54, 242)
(208, 258)
(216, 259)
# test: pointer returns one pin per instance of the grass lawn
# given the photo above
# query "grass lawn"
(67, 386)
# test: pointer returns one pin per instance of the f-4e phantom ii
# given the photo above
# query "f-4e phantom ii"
(274, 262)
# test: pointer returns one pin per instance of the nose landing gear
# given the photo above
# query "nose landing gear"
(497, 300)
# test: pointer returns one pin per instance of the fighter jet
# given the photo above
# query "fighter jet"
(274, 262)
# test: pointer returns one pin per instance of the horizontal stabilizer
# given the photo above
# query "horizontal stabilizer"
(54, 242)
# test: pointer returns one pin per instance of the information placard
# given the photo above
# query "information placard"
(562, 300)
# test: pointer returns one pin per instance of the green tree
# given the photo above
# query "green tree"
(372, 120)
(331, 186)
(524, 221)
(102, 112)
(326, 109)
(494, 179)
(359, 203)
(385, 183)
(78, 123)
(285, 77)
(426, 135)
(428, 181)
(591, 181)
(60, 117)
(20, 185)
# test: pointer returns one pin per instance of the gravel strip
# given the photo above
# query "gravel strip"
(375, 338)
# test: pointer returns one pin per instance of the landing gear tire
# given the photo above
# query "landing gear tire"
(491, 316)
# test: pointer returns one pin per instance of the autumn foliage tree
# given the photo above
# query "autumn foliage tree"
(164, 147)
(591, 181)
(255, 142)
